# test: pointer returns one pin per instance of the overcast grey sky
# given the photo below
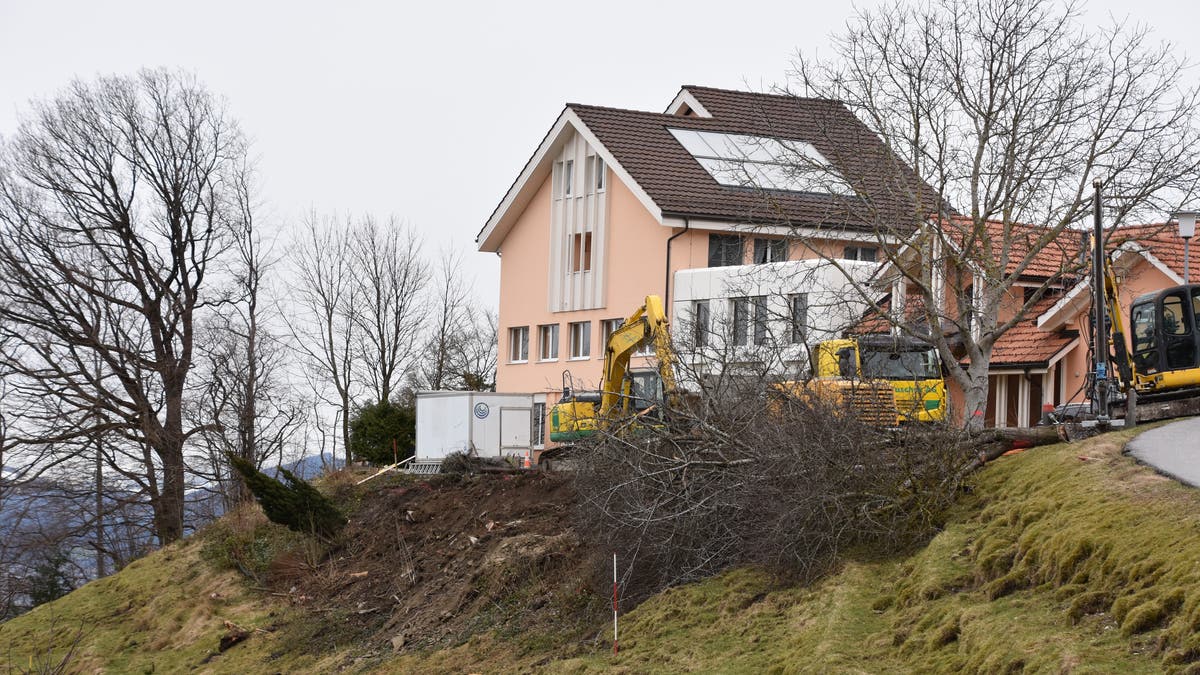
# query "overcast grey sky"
(428, 110)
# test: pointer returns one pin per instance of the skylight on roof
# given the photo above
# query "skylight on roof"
(739, 160)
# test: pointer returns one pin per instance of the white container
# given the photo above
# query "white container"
(490, 423)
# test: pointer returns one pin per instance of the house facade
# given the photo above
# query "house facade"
(729, 201)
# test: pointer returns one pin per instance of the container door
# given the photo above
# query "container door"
(514, 430)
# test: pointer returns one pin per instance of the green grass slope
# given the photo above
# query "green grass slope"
(1067, 558)
(164, 613)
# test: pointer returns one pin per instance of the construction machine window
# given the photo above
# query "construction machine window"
(645, 388)
(1174, 318)
(1196, 307)
(1143, 328)
(901, 365)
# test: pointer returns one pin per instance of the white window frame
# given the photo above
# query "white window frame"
(580, 333)
(581, 252)
(537, 435)
(568, 177)
(518, 344)
(549, 330)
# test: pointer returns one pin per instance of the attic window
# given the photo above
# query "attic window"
(738, 160)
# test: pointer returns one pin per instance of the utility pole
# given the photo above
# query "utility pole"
(1100, 395)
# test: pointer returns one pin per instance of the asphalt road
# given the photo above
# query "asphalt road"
(1173, 449)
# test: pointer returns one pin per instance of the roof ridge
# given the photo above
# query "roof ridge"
(788, 97)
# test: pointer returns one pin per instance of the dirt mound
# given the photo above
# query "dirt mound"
(429, 563)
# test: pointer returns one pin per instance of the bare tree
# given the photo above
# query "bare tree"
(460, 348)
(248, 408)
(737, 471)
(1009, 110)
(450, 325)
(476, 356)
(115, 200)
(391, 278)
(325, 327)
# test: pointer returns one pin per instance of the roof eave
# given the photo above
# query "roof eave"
(537, 168)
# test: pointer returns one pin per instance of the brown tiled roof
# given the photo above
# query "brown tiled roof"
(1164, 243)
(642, 144)
(1060, 256)
(1026, 344)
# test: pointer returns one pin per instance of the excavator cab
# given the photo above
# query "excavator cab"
(1166, 339)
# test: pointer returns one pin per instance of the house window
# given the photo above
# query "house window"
(700, 322)
(538, 421)
(799, 306)
(581, 252)
(769, 250)
(581, 339)
(724, 250)
(644, 348)
(741, 320)
(607, 328)
(863, 253)
(593, 174)
(760, 319)
(568, 175)
(548, 342)
(518, 344)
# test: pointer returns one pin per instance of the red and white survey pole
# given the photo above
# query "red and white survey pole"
(614, 603)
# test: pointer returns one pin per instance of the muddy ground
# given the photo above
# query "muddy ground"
(428, 563)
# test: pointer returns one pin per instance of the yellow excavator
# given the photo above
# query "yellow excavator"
(886, 380)
(579, 414)
(1160, 369)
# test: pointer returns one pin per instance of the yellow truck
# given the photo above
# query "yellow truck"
(887, 380)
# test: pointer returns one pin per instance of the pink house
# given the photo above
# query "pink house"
(1044, 359)
(616, 204)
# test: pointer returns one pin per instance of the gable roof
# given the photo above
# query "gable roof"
(1162, 241)
(640, 148)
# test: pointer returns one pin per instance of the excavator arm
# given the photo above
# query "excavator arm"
(648, 322)
(1119, 356)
